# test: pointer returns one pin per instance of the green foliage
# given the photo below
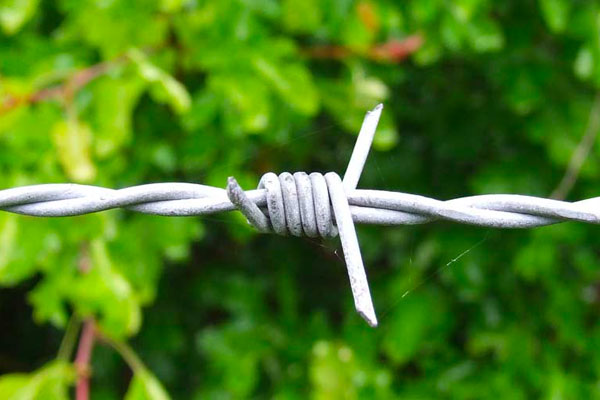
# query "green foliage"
(145, 386)
(50, 382)
(120, 93)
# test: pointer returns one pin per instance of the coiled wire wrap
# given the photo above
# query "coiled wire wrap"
(297, 204)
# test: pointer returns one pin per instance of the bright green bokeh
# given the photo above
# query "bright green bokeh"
(119, 93)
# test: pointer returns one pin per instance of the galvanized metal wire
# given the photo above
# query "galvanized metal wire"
(376, 207)
(301, 204)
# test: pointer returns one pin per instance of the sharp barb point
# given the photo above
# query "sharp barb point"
(369, 316)
(362, 147)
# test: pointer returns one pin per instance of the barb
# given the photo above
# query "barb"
(300, 204)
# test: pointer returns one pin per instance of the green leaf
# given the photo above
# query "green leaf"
(250, 97)
(301, 15)
(452, 32)
(204, 109)
(48, 298)
(164, 88)
(367, 90)
(72, 139)
(171, 6)
(387, 135)
(429, 52)
(292, 81)
(8, 243)
(535, 259)
(425, 10)
(115, 27)
(485, 35)
(523, 92)
(139, 249)
(105, 292)
(355, 33)
(464, 10)
(409, 326)
(555, 13)
(332, 370)
(234, 361)
(115, 101)
(51, 382)
(15, 13)
(145, 386)
(11, 384)
(584, 63)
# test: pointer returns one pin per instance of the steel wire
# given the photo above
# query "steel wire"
(301, 204)
(376, 207)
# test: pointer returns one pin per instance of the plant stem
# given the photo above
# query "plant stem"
(581, 152)
(82, 360)
(392, 51)
(68, 342)
(86, 339)
(128, 354)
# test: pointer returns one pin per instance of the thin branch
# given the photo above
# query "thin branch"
(82, 360)
(86, 340)
(85, 261)
(68, 342)
(581, 152)
(394, 50)
(124, 350)
(64, 91)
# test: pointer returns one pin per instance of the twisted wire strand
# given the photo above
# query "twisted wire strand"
(306, 205)
(377, 207)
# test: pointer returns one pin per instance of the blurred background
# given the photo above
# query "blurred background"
(480, 97)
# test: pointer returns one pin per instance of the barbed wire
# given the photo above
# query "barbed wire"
(301, 204)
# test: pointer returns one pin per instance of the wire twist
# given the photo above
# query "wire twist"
(373, 207)
(314, 205)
